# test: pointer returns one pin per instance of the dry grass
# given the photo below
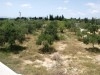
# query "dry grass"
(72, 56)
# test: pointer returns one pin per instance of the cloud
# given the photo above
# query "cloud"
(95, 11)
(81, 13)
(93, 8)
(61, 8)
(8, 4)
(78, 13)
(66, 1)
(92, 5)
(26, 6)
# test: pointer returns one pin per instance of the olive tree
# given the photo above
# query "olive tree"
(47, 37)
(11, 32)
(92, 37)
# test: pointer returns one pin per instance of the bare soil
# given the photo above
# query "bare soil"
(71, 58)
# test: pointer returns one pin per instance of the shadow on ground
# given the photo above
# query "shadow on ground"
(49, 51)
(93, 50)
(16, 49)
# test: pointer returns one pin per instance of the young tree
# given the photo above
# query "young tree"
(46, 40)
(48, 36)
(51, 29)
(1, 36)
(61, 26)
(92, 37)
(10, 33)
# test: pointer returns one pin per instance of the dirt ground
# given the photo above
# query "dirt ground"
(72, 57)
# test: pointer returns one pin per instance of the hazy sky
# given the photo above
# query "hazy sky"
(69, 8)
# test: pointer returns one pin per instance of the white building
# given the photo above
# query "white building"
(4, 70)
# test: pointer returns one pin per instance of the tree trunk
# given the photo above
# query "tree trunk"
(93, 45)
(93, 37)
(11, 45)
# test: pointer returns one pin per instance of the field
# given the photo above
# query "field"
(50, 37)
(70, 57)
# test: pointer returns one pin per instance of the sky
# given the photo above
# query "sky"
(68, 8)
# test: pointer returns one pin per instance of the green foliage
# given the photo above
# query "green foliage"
(68, 24)
(86, 20)
(1, 37)
(93, 28)
(44, 37)
(98, 39)
(86, 40)
(38, 24)
(61, 37)
(79, 33)
(71, 25)
(93, 37)
(46, 47)
(48, 36)
(51, 29)
(61, 26)
(30, 28)
(46, 40)
(84, 25)
(10, 33)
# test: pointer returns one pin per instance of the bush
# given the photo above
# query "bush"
(10, 32)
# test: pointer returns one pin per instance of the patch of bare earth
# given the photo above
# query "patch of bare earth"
(69, 64)
(68, 60)
(97, 59)
(60, 46)
(26, 62)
